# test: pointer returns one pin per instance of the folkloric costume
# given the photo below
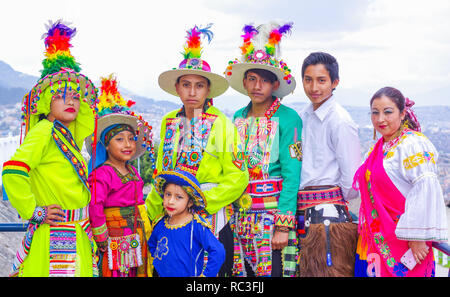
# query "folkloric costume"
(179, 250)
(48, 168)
(401, 201)
(272, 150)
(207, 146)
(331, 156)
(117, 209)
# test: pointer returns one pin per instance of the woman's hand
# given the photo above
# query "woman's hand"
(419, 249)
(54, 214)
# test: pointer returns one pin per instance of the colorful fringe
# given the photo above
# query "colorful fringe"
(127, 246)
(253, 244)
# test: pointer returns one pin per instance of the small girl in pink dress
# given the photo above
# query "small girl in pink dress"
(118, 217)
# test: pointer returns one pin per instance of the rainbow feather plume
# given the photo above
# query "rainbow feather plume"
(275, 37)
(110, 99)
(57, 46)
(249, 32)
(193, 47)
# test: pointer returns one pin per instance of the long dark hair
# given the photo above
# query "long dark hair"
(402, 103)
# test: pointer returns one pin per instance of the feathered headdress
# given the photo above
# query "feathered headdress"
(60, 71)
(193, 47)
(113, 109)
(193, 63)
(57, 46)
(110, 99)
(261, 49)
(263, 41)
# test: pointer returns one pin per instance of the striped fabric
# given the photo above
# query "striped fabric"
(15, 167)
(266, 187)
(310, 198)
(62, 244)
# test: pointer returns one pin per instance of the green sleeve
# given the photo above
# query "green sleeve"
(16, 172)
(290, 136)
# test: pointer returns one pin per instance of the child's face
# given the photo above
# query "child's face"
(122, 147)
(176, 201)
(64, 110)
(318, 85)
(258, 88)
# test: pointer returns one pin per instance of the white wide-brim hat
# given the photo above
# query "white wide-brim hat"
(168, 79)
(235, 75)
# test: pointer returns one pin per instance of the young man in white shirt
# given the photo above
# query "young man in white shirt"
(331, 156)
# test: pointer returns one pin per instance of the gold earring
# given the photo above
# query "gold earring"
(374, 134)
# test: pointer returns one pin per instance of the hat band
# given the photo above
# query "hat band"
(195, 63)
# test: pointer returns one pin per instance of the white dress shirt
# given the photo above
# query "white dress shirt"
(331, 148)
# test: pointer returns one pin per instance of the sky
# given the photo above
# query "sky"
(401, 43)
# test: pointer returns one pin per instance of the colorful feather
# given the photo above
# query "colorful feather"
(57, 45)
(247, 48)
(193, 48)
(275, 37)
(110, 99)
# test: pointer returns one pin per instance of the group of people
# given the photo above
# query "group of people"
(264, 194)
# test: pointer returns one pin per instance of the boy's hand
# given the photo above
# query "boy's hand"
(279, 240)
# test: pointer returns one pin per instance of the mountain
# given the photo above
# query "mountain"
(14, 85)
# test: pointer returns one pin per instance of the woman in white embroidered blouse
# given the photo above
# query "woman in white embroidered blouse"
(410, 162)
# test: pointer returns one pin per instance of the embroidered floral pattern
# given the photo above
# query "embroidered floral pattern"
(162, 248)
(417, 159)
(192, 142)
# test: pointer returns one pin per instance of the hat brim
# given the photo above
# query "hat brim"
(168, 79)
(235, 77)
(180, 179)
(115, 118)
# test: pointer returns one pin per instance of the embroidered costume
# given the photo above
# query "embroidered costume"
(207, 146)
(179, 251)
(48, 168)
(117, 209)
(401, 201)
(272, 151)
(331, 156)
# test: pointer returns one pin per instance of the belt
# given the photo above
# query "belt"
(265, 193)
(319, 194)
(265, 187)
(75, 215)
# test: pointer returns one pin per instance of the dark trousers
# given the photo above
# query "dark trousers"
(226, 238)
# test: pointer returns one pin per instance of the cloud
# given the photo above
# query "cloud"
(377, 42)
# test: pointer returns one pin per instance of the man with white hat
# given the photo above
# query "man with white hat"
(265, 234)
(200, 139)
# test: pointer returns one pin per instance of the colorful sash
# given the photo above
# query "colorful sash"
(65, 142)
(310, 198)
(381, 206)
(62, 250)
(265, 193)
